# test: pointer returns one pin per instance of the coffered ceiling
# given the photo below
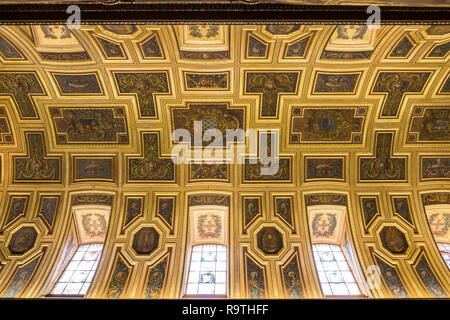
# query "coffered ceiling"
(360, 112)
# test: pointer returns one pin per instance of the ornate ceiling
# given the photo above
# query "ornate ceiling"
(362, 118)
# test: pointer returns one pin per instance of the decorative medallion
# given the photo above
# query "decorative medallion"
(145, 241)
(393, 240)
(92, 223)
(270, 240)
(22, 240)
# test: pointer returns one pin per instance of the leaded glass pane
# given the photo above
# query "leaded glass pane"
(207, 270)
(79, 273)
(333, 271)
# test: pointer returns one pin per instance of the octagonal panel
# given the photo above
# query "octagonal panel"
(22, 240)
(145, 241)
(393, 240)
(269, 240)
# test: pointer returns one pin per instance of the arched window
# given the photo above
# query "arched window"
(91, 222)
(79, 273)
(335, 275)
(337, 270)
(208, 270)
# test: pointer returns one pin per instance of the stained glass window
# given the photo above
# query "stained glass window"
(444, 248)
(208, 270)
(335, 276)
(79, 273)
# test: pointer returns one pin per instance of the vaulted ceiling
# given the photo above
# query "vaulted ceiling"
(360, 113)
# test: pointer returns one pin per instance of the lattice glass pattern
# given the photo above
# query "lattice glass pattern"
(444, 248)
(77, 276)
(208, 270)
(336, 278)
